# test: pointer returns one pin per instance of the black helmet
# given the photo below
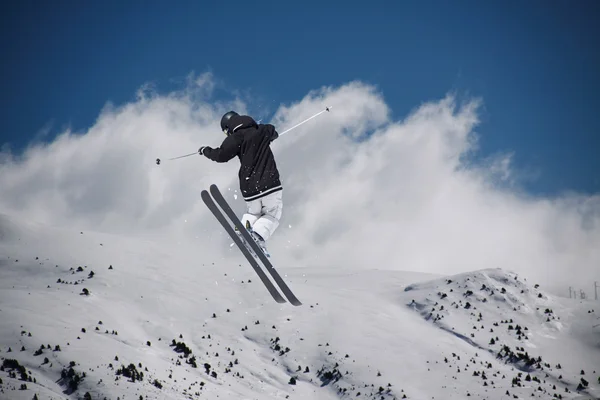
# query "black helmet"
(225, 122)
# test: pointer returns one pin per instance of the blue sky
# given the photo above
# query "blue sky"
(533, 63)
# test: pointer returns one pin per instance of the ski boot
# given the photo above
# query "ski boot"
(257, 238)
(261, 243)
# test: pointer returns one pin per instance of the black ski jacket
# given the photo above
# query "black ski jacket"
(251, 143)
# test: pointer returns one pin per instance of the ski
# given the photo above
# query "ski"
(261, 274)
(216, 193)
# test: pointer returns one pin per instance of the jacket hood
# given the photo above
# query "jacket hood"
(242, 122)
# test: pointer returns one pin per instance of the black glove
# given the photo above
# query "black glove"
(201, 150)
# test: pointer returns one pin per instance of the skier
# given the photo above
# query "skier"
(258, 174)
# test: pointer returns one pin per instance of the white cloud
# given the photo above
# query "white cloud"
(206, 82)
(360, 189)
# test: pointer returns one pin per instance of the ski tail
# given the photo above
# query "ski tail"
(238, 241)
(287, 292)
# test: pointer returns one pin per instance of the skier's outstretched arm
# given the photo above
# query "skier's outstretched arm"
(228, 149)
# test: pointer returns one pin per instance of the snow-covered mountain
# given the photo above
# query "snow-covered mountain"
(91, 315)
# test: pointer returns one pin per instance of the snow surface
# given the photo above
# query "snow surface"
(360, 334)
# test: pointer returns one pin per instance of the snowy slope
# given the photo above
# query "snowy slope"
(167, 319)
(552, 343)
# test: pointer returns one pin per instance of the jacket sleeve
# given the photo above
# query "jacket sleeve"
(228, 149)
(270, 131)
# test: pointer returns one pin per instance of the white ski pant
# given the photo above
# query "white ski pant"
(264, 214)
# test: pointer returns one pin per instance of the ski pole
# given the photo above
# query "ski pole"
(287, 130)
(306, 120)
(175, 158)
(187, 155)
